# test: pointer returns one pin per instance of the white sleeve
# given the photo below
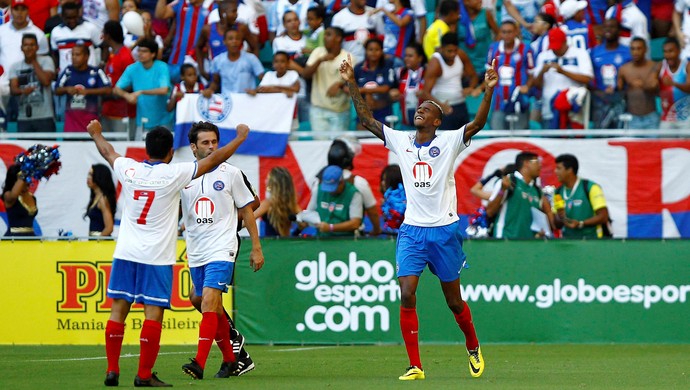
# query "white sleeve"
(184, 173)
(419, 8)
(393, 139)
(497, 188)
(364, 188)
(585, 62)
(239, 190)
(119, 166)
(356, 209)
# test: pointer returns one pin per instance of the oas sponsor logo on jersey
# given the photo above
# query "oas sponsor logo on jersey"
(422, 172)
(204, 208)
(434, 151)
(214, 109)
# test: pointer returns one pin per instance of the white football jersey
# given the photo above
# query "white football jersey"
(428, 175)
(209, 210)
(151, 192)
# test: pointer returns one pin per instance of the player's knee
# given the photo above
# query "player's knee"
(408, 298)
(455, 304)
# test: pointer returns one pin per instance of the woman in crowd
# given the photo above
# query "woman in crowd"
(20, 204)
(375, 77)
(410, 82)
(280, 203)
(102, 203)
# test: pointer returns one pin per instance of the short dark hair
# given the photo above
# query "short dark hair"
(673, 41)
(373, 40)
(82, 47)
(288, 12)
(159, 141)
(338, 31)
(199, 127)
(71, 5)
(449, 39)
(150, 44)
(319, 10)
(448, 6)
(281, 53)
(114, 30)
(186, 66)
(569, 162)
(419, 49)
(638, 39)
(522, 157)
(30, 36)
(549, 19)
(233, 28)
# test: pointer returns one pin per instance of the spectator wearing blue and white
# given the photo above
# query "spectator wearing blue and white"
(83, 84)
(358, 25)
(632, 21)
(516, 61)
(523, 12)
(543, 22)
(443, 82)
(580, 33)
(281, 80)
(235, 71)
(280, 7)
(75, 29)
(146, 83)
(398, 26)
(607, 59)
(419, 12)
(681, 25)
(376, 77)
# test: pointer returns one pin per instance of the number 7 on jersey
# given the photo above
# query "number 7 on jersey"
(149, 195)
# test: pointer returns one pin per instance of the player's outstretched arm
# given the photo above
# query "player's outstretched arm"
(104, 147)
(490, 81)
(363, 112)
(214, 159)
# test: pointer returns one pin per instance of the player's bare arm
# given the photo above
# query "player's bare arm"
(363, 111)
(490, 81)
(104, 147)
(256, 257)
(216, 158)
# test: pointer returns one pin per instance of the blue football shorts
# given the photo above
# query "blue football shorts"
(216, 274)
(141, 283)
(439, 247)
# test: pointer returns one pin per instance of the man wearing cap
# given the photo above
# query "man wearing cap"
(338, 203)
(514, 77)
(580, 34)
(11, 44)
(558, 69)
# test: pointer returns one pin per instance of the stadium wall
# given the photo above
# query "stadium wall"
(643, 179)
(345, 292)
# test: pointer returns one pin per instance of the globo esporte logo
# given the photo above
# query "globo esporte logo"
(348, 295)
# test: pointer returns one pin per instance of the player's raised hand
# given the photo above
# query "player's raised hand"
(94, 128)
(346, 71)
(491, 77)
(242, 131)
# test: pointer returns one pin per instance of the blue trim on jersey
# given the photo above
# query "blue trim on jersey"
(438, 247)
(424, 144)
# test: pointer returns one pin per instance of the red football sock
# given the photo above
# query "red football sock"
(114, 333)
(149, 344)
(223, 339)
(207, 331)
(464, 320)
(409, 325)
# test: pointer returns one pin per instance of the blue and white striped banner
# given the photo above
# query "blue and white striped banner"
(268, 115)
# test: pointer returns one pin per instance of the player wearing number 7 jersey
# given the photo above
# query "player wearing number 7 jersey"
(145, 250)
(429, 234)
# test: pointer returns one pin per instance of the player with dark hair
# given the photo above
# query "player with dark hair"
(429, 234)
(210, 206)
(145, 250)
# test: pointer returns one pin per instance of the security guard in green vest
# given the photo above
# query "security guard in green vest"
(579, 203)
(514, 198)
(338, 203)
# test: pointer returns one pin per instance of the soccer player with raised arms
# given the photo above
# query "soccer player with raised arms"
(429, 234)
(211, 204)
(144, 255)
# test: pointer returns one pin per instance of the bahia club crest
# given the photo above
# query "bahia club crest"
(214, 109)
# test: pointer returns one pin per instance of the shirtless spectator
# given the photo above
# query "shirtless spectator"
(638, 79)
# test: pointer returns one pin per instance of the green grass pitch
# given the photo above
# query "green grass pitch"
(366, 367)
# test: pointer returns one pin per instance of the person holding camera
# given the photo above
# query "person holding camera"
(30, 80)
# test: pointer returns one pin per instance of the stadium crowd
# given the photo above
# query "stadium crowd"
(66, 62)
